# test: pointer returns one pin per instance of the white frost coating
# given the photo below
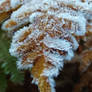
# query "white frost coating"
(50, 74)
(15, 16)
(52, 83)
(53, 71)
(34, 81)
(9, 28)
(15, 3)
(77, 19)
(69, 55)
(34, 15)
(18, 24)
(22, 10)
(4, 8)
(33, 5)
(34, 35)
(55, 15)
(57, 61)
(57, 43)
(27, 8)
(15, 44)
(23, 66)
(81, 6)
(54, 57)
(75, 43)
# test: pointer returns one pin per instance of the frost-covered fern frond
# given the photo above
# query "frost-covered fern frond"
(48, 40)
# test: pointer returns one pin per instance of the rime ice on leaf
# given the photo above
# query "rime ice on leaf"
(49, 39)
(45, 44)
(7, 6)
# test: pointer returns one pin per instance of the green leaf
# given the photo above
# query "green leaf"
(8, 63)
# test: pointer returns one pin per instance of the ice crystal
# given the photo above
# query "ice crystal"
(50, 37)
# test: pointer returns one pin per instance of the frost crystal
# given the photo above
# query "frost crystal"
(49, 38)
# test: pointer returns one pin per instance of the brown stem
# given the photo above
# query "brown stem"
(37, 70)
